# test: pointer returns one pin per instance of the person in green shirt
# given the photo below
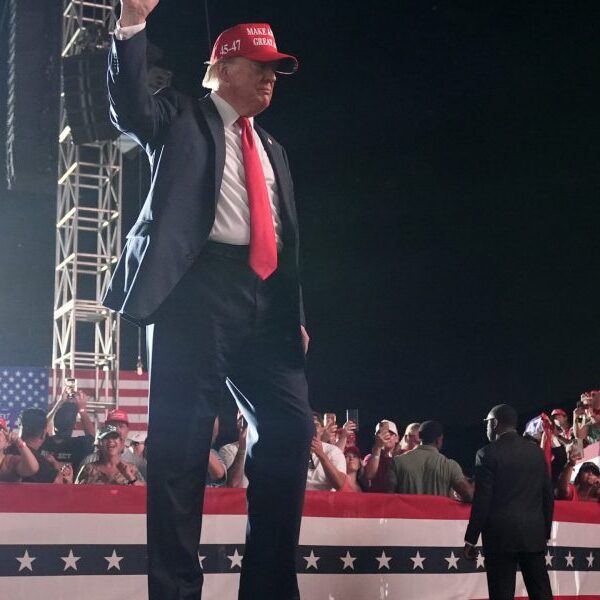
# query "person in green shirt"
(425, 470)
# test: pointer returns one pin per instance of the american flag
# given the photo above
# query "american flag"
(31, 387)
(22, 388)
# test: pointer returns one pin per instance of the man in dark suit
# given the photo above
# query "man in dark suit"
(512, 509)
(211, 266)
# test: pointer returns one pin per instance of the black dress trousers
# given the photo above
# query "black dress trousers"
(223, 321)
(501, 572)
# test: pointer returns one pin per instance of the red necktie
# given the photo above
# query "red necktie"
(263, 247)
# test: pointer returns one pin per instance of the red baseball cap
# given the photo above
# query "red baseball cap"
(558, 411)
(254, 41)
(117, 416)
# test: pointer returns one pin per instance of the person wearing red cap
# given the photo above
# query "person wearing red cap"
(211, 266)
(562, 428)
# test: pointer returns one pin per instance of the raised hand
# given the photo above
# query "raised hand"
(381, 439)
(66, 472)
(316, 446)
(135, 12)
(81, 400)
(350, 426)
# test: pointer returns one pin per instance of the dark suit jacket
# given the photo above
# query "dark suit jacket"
(185, 142)
(513, 502)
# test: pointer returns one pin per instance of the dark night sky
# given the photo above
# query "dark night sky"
(446, 161)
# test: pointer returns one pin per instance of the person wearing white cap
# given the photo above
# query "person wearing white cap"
(377, 464)
(211, 266)
(136, 440)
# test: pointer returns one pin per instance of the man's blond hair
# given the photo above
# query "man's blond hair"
(211, 77)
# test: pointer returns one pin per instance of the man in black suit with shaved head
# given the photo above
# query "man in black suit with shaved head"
(512, 509)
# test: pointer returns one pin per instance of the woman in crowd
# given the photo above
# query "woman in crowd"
(585, 488)
(410, 440)
(16, 459)
(353, 469)
(109, 468)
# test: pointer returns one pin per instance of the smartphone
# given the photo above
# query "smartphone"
(70, 387)
(242, 423)
(352, 415)
(329, 418)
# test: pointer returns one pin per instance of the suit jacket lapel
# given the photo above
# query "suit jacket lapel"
(281, 175)
(215, 126)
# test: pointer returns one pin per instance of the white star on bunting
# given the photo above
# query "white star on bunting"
(548, 558)
(311, 560)
(25, 561)
(114, 561)
(348, 560)
(590, 560)
(236, 559)
(70, 561)
(383, 560)
(418, 561)
(480, 561)
(201, 561)
(452, 561)
(569, 558)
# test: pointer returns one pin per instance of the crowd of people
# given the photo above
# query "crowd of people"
(44, 450)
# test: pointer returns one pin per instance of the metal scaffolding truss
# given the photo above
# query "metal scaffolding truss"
(88, 228)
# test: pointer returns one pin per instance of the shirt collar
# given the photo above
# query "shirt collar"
(428, 448)
(228, 114)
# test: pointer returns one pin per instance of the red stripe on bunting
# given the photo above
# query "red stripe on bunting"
(49, 498)
(40, 498)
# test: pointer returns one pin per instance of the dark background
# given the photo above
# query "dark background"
(446, 162)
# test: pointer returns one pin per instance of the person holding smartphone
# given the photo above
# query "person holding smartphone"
(234, 456)
(33, 433)
(377, 464)
(14, 466)
(63, 446)
(327, 464)
(586, 418)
